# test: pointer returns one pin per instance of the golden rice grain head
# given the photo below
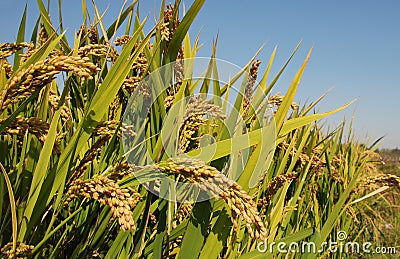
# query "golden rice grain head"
(8, 49)
(21, 251)
(99, 50)
(164, 29)
(42, 37)
(90, 33)
(199, 106)
(54, 100)
(193, 118)
(109, 128)
(248, 90)
(107, 192)
(168, 26)
(8, 68)
(37, 127)
(211, 180)
(118, 171)
(272, 188)
(37, 75)
(122, 40)
(131, 83)
(183, 212)
(242, 204)
(381, 179)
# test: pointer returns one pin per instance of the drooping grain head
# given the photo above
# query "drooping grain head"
(107, 192)
(37, 75)
(211, 180)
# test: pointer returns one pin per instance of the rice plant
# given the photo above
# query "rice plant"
(70, 188)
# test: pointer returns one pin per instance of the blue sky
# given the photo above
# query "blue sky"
(356, 48)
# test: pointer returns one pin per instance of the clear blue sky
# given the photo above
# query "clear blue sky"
(356, 48)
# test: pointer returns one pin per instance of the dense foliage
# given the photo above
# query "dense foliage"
(68, 190)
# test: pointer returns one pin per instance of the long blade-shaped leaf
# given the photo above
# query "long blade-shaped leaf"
(183, 28)
(20, 38)
(13, 207)
(196, 231)
(39, 176)
(289, 96)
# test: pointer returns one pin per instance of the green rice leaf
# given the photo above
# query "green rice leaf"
(183, 28)
(289, 96)
(196, 230)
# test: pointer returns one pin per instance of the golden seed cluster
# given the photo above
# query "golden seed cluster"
(91, 34)
(179, 69)
(193, 170)
(54, 100)
(248, 90)
(193, 118)
(277, 99)
(131, 83)
(167, 30)
(107, 192)
(42, 37)
(21, 251)
(8, 49)
(109, 128)
(169, 24)
(184, 211)
(241, 204)
(118, 171)
(381, 179)
(122, 40)
(165, 34)
(140, 65)
(211, 180)
(317, 160)
(272, 188)
(98, 50)
(35, 126)
(37, 75)
(200, 106)
(352, 213)
(8, 68)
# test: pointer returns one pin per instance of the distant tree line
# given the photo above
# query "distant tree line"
(390, 155)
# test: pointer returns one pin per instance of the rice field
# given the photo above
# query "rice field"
(112, 147)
